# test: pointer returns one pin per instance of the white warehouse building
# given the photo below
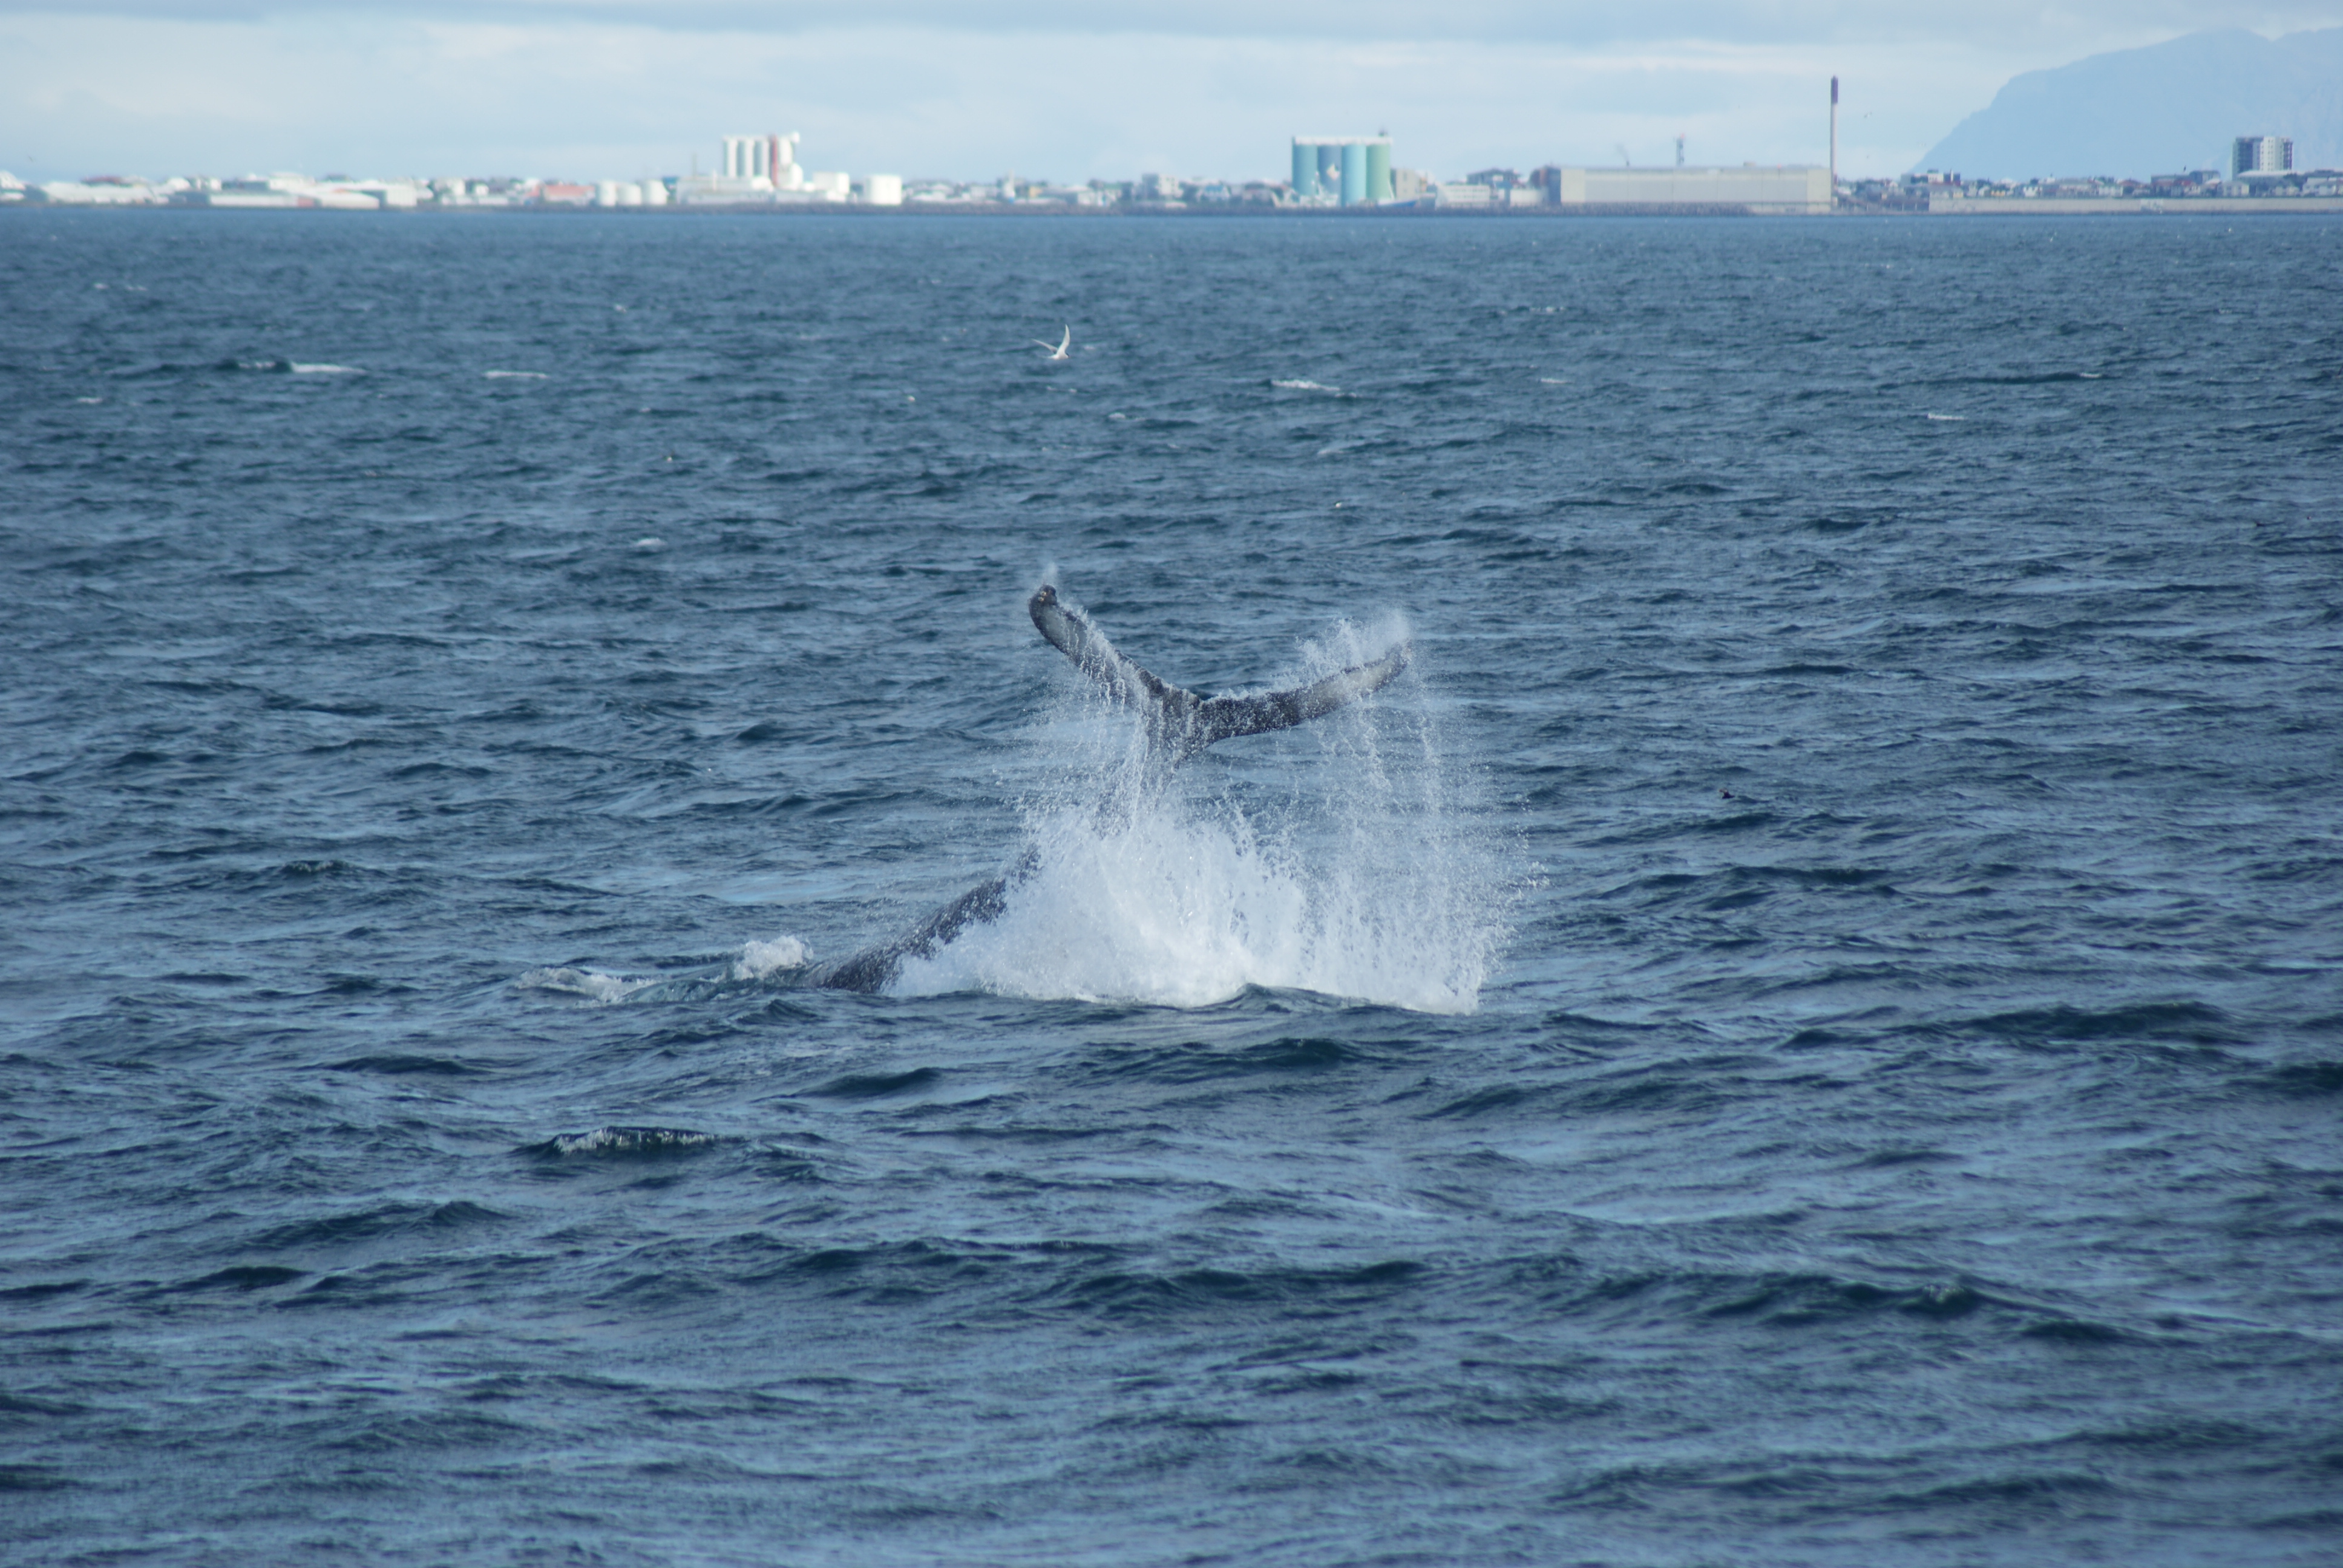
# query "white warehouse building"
(1772, 189)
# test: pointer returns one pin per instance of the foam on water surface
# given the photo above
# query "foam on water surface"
(592, 984)
(625, 1141)
(759, 960)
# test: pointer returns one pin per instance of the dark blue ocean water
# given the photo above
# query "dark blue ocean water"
(1807, 1027)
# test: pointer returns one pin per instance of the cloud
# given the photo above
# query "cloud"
(2019, 24)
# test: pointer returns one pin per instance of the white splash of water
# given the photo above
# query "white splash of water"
(759, 960)
(1342, 858)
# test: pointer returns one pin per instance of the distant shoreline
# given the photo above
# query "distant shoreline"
(2014, 206)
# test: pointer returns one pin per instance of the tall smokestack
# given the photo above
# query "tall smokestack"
(1833, 141)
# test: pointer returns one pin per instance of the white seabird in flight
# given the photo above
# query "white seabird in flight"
(1057, 350)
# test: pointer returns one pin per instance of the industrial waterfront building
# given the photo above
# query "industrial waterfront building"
(1355, 171)
(1769, 190)
(757, 171)
(1772, 189)
(749, 169)
(769, 158)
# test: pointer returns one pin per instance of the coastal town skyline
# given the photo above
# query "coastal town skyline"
(978, 92)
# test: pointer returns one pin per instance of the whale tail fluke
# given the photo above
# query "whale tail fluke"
(1182, 723)
(1179, 724)
(1226, 716)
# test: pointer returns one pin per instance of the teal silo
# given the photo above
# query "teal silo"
(1305, 169)
(1354, 174)
(1379, 176)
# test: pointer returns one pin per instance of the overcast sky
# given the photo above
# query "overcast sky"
(1062, 89)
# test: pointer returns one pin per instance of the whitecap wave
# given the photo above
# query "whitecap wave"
(298, 369)
(1301, 386)
(623, 1141)
(759, 960)
(514, 374)
(592, 984)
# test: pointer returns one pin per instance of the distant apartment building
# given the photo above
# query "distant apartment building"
(2260, 155)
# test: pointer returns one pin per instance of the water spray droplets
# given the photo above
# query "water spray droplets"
(1342, 858)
